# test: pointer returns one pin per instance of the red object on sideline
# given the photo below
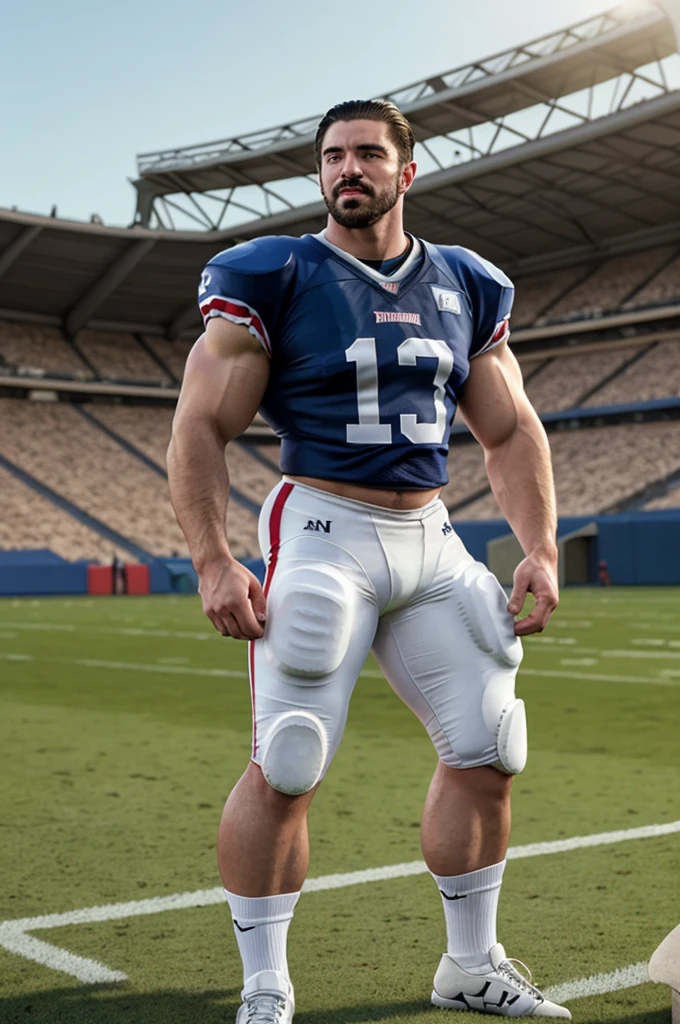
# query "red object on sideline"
(137, 577)
(99, 579)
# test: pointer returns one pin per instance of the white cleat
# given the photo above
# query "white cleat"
(502, 990)
(267, 999)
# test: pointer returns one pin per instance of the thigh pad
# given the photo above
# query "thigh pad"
(310, 615)
(484, 611)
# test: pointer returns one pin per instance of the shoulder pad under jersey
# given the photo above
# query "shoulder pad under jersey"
(491, 293)
(261, 256)
(465, 260)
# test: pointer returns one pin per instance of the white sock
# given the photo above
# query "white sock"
(261, 930)
(470, 908)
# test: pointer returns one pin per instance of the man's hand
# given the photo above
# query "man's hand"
(535, 575)
(233, 599)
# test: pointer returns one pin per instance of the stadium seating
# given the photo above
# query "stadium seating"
(30, 521)
(669, 500)
(564, 380)
(663, 288)
(61, 449)
(149, 429)
(535, 294)
(120, 357)
(173, 353)
(607, 286)
(596, 468)
(30, 348)
(466, 471)
(655, 375)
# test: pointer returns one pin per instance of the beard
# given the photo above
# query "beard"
(358, 213)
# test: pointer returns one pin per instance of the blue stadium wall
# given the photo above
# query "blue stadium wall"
(641, 548)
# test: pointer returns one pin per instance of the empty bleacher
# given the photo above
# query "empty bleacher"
(535, 294)
(31, 348)
(665, 501)
(564, 380)
(173, 353)
(467, 476)
(118, 356)
(600, 467)
(149, 429)
(655, 375)
(662, 289)
(56, 445)
(30, 521)
(603, 290)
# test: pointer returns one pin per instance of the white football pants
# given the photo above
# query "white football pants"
(345, 577)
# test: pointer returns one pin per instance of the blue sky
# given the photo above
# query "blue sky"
(86, 86)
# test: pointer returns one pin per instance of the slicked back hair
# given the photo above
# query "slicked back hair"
(401, 132)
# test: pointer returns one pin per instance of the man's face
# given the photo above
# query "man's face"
(361, 176)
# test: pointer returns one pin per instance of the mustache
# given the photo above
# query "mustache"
(351, 183)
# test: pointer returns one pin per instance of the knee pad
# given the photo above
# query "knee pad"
(294, 752)
(484, 610)
(512, 738)
(310, 619)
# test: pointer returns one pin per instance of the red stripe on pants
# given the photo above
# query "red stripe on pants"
(274, 545)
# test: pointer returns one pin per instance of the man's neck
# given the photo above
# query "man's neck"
(382, 241)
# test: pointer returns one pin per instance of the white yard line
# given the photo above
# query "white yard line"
(66, 627)
(599, 984)
(665, 679)
(14, 937)
(595, 677)
(646, 655)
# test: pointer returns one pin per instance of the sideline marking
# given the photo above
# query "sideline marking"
(14, 937)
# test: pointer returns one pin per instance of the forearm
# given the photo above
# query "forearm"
(520, 473)
(199, 490)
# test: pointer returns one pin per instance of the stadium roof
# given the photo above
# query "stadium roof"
(599, 185)
(476, 110)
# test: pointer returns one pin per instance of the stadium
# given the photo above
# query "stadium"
(559, 161)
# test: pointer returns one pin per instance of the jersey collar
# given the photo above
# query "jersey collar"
(411, 261)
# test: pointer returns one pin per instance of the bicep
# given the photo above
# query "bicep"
(493, 401)
(225, 378)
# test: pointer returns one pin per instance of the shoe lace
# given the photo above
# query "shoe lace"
(513, 969)
(265, 1009)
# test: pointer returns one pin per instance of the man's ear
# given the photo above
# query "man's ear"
(407, 175)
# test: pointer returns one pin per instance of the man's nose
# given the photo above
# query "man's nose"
(351, 168)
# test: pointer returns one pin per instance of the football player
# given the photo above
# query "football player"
(357, 345)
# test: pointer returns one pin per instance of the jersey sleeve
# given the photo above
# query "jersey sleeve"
(491, 294)
(247, 285)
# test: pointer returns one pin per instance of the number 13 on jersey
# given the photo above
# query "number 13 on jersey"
(369, 429)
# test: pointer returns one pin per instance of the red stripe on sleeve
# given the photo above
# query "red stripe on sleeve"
(240, 313)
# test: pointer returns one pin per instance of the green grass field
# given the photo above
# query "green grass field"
(121, 735)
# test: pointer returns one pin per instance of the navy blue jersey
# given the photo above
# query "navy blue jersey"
(365, 367)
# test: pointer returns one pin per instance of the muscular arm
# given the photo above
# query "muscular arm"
(518, 465)
(225, 377)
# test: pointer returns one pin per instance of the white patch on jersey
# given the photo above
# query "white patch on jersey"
(206, 278)
(447, 301)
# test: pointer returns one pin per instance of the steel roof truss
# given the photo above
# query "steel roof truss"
(12, 252)
(95, 296)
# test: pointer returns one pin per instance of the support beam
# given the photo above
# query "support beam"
(107, 283)
(15, 248)
(184, 319)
